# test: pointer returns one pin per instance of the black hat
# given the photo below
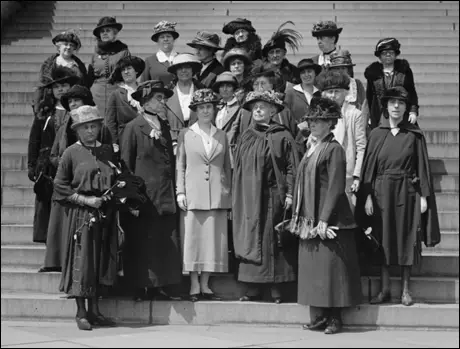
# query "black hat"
(270, 97)
(164, 27)
(68, 36)
(146, 90)
(387, 44)
(206, 39)
(332, 79)
(137, 63)
(61, 75)
(308, 63)
(269, 71)
(282, 37)
(106, 22)
(325, 28)
(397, 92)
(323, 108)
(203, 96)
(237, 24)
(77, 91)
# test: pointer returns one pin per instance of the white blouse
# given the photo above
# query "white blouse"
(184, 101)
(208, 140)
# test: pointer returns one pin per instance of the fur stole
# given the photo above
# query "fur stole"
(375, 70)
(109, 48)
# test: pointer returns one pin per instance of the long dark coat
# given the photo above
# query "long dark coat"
(152, 255)
(119, 113)
(260, 187)
(209, 76)
(376, 87)
(154, 70)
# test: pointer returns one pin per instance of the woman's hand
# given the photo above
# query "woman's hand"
(369, 207)
(94, 201)
(288, 203)
(412, 117)
(182, 202)
(355, 186)
(423, 204)
(325, 231)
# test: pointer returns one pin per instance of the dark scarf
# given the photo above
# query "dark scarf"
(109, 47)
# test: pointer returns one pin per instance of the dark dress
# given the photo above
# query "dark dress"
(259, 192)
(208, 77)
(329, 274)
(154, 70)
(152, 256)
(91, 253)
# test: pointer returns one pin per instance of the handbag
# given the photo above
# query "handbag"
(43, 187)
(369, 249)
(284, 237)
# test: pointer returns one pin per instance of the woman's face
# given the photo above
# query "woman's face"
(308, 76)
(319, 127)
(237, 67)
(326, 43)
(156, 104)
(336, 94)
(396, 108)
(343, 70)
(108, 34)
(262, 112)
(204, 53)
(388, 57)
(89, 132)
(226, 91)
(128, 74)
(59, 89)
(184, 72)
(66, 49)
(241, 35)
(276, 56)
(261, 84)
(165, 42)
(75, 103)
(205, 112)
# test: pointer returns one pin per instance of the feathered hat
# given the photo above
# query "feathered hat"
(323, 108)
(282, 37)
(61, 75)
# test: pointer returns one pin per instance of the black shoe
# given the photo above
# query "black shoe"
(247, 298)
(194, 297)
(319, 323)
(163, 296)
(406, 299)
(100, 320)
(49, 270)
(210, 296)
(83, 324)
(382, 297)
(334, 326)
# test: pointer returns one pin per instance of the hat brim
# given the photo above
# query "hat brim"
(138, 65)
(59, 38)
(232, 27)
(96, 30)
(137, 95)
(65, 101)
(248, 105)
(216, 85)
(194, 106)
(77, 124)
(72, 80)
(328, 32)
(196, 67)
(342, 65)
(385, 99)
(316, 67)
(155, 36)
(226, 61)
(204, 44)
(379, 53)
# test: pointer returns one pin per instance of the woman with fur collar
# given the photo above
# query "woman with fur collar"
(243, 36)
(108, 52)
(389, 72)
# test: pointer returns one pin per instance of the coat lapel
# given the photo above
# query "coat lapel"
(174, 106)
(231, 112)
(146, 129)
(208, 70)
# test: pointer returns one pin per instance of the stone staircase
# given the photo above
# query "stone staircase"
(428, 32)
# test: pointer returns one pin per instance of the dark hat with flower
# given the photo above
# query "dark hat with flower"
(164, 27)
(323, 108)
(282, 37)
(397, 92)
(387, 44)
(225, 78)
(106, 22)
(333, 79)
(147, 89)
(203, 96)
(206, 39)
(239, 53)
(308, 63)
(341, 58)
(77, 91)
(237, 24)
(271, 97)
(185, 59)
(129, 61)
(68, 36)
(85, 114)
(61, 75)
(325, 28)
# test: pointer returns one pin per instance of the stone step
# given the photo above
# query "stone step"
(425, 289)
(43, 306)
(434, 263)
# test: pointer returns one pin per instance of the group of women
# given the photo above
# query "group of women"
(180, 163)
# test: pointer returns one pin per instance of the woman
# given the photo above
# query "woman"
(122, 107)
(238, 62)
(83, 179)
(327, 36)
(48, 118)
(108, 52)
(152, 253)
(156, 66)
(263, 181)
(397, 192)
(204, 195)
(389, 72)
(329, 277)
(179, 115)
(243, 36)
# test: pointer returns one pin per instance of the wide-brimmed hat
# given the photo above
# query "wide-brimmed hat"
(147, 89)
(265, 70)
(203, 96)
(83, 115)
(68, 36)
(333, 79)
(227, 78)
(185, 59)
(239, 23)
(239, 53)
(206, 39)
(164, 27)
(281, 37)
(341, 58)
(325, 28)
(137, 63)
(397, 92)
(77, 91)
(106, 22)
(61, 75)
(308, 63)
(271, 97)
(323, 108)
(387, 44)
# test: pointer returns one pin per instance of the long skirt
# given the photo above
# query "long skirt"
(204, 240)
(56, 241)
(329, 274)
(41, 220)
(278, 264)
